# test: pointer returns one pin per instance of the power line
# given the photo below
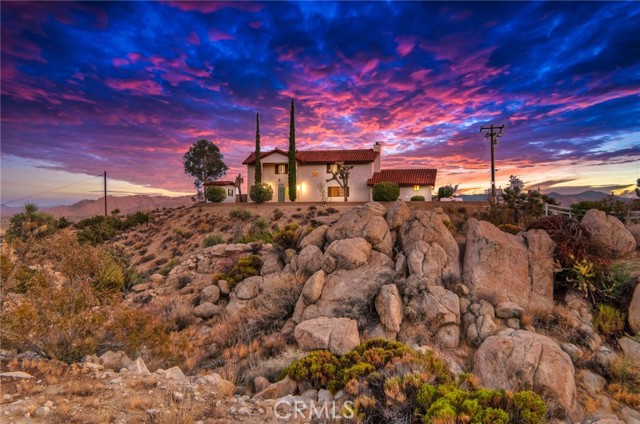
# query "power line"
(49, 191)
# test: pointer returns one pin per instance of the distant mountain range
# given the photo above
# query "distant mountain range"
(126, 205)
(563, 199)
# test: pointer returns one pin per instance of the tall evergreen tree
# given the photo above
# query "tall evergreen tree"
(292, 155)
(257, 163)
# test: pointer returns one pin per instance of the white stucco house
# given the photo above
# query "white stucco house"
(314, 169)
(228, 186)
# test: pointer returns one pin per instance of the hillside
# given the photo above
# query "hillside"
(398, 309)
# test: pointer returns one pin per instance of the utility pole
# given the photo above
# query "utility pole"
(493, 133)
(105, 193)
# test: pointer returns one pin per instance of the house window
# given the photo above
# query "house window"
(416, 188)
(336, 191)
(332, 167)
(230, 192)
(282, 168)
(314, 173)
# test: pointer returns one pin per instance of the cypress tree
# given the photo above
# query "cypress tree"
(292, 155)
(258, 165)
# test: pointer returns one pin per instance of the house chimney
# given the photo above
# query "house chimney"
(376, 164)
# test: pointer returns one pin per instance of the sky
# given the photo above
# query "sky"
(127, 87)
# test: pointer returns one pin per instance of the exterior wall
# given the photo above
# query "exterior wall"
(406, 193)
(308, 183)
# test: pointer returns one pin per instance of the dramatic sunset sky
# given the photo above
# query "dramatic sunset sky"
(128, 87)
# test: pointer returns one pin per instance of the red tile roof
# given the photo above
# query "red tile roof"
(324, 156)
(404, 177)
(219, 183)
(252, 157)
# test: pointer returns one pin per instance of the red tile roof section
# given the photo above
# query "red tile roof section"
(324, 156)
(219, 183)
(252, 157)
(404, 177)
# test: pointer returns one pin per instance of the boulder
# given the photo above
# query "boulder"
(500, 266)
(316, 237)
(115, 360)
(364, 221)
(631, 349)
(634, 229)
(634, 311)
(441, 306)
(347, 253)
(506, 310)
(224, 286)
(138, 367)
(16, 374)
(339, 335)
(174, 373)
(592, 383)
(313, 287)
(271, 262)
(249, 288)
(516, 359)
(390, 308)
(220, 385)
(206, 310)
(309, 260)
(282, 388)
(210, 294)
(422, 229)
(345, 288)
(609, 232)
(396, 215)
(428, 260)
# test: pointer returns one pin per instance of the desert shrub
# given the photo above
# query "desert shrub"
(510, 228)
(385, 192)
(322, 369)
(286, 237)
(212, 240)
(277, 214)
(447, 191)
(98, 229)
(245, 267)
(258, 232)
(625, 381)
(31, 223)
(203, 228)
(261, 193)
(110, 275)
(609, 321)
(241, 214)
(417, 198)
(479, 405)
(216, 194)
(611, 205)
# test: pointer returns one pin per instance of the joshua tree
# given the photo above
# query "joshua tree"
(292, 155)
(341, 176)
(238, 183)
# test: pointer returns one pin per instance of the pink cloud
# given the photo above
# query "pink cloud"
(217, 35)
(255, 24)
(137, 87)
(405, 45)
(118, 62)
(214, 6)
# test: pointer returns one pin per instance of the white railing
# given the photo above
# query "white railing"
(563, 210)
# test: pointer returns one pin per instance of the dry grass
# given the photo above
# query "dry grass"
(140, 402)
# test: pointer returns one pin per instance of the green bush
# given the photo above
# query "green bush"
(216, 194)
(261, 193)
(447, 191)
(212, 240)
(286, 237)
(98, 229)
(110, 276)
(246, 267)
(609, 321)
(417, 198)
(31, 222)
(241, 214)
(386, 192)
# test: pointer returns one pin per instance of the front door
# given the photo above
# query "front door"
(280, 193)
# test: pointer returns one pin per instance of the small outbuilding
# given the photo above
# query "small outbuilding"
(228, 186)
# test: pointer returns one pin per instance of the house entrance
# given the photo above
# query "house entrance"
(281, 193)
